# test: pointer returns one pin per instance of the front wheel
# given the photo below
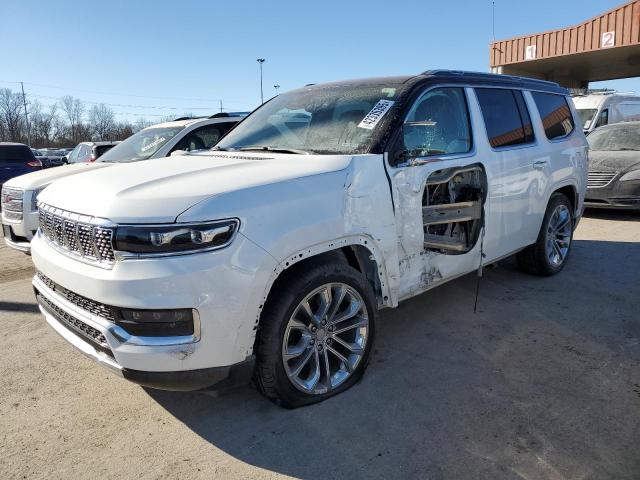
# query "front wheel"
(550, 252)
(316, 334)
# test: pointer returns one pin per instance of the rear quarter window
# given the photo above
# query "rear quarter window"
(555, 114)
(15, 153)
(505, 116)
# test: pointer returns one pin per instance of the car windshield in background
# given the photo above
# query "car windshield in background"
(141, 146)
(618, 138)
(332, 120)
(586, 116)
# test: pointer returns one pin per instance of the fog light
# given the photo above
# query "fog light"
(158, 323)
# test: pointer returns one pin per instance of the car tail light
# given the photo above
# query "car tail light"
(34, 163)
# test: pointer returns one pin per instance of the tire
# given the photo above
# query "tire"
(542, 258)
(286, 327)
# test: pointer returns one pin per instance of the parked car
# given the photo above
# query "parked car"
(53, 157)
(614, 167)
(40, 155)
(271, 254)
(152, 142)
(16, 159)
(88, 151)
(604, 108)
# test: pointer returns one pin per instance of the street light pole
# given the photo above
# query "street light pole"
(260, 62)
(277, 87)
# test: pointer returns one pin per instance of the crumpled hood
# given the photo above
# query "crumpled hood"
(623, 161)
(34, 180)
(159, 190)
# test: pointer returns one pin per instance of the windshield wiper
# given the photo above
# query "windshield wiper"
(262, 148)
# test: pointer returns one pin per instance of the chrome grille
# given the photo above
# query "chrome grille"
(11, 203)
(600, 179)
(82, 236)
(91, 306)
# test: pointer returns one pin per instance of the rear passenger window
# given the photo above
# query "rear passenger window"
(505, 116)
(555, 114)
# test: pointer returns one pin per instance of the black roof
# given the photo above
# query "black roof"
(451, 76)
(496, 79)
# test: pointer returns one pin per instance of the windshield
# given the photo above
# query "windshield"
(615, 139)
(331, 120)
(141, 146)
(586, 116)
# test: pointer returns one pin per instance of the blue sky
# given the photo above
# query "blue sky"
(157, 58)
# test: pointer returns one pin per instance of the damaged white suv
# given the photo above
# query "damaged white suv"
(270, 256)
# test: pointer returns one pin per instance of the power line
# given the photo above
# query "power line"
(196, 99)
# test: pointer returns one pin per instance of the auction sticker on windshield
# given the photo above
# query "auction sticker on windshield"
(375, 115)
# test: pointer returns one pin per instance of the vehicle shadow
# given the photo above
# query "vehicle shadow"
(537, 384)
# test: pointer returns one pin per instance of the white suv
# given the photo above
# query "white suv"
(270, 255)
(157, 141)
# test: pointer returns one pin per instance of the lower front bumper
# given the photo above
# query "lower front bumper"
(618, 195)
(215, 378)
(21, 244)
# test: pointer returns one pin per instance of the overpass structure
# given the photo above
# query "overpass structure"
(606, 47)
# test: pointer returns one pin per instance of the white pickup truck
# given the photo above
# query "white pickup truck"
(269, 256)
(19, 195)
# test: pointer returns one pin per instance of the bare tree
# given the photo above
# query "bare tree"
(102, 122)
(73, 109)
(11, 116)
(44, 124)
(140, 124)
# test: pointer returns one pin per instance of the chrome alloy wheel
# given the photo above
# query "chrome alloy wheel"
(558, 235)
(325, 338)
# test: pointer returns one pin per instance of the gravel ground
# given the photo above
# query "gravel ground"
(542, 383)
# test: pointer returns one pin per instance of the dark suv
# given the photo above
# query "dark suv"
(16, 159)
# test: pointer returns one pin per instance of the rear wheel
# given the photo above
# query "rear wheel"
(550, 252)
(316, 335)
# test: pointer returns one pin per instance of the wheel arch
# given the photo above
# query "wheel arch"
(360, 252)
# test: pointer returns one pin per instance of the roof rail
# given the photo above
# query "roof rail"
(185, 118)
(487, 76)
(229, 114)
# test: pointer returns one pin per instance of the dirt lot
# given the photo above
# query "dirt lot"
(542, 383)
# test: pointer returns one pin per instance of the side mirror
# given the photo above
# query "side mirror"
(177, 153)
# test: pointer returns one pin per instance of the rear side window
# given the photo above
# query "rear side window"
(101, 149)
(505, 116)
(15, 153)
(555, 113)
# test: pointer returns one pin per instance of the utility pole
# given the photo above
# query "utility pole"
(277, 87)
(220, 106)
(26, 115)
(260, 62)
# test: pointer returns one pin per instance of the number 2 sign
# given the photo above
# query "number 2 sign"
(608, 40)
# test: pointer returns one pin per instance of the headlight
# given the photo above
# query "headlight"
(12, 203)
(632, 175)
(34, 198)
(174, 238)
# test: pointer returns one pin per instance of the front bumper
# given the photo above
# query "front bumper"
(18, 234)
(14, 241)
(225, 288)
(618, 195)
(214, 378)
